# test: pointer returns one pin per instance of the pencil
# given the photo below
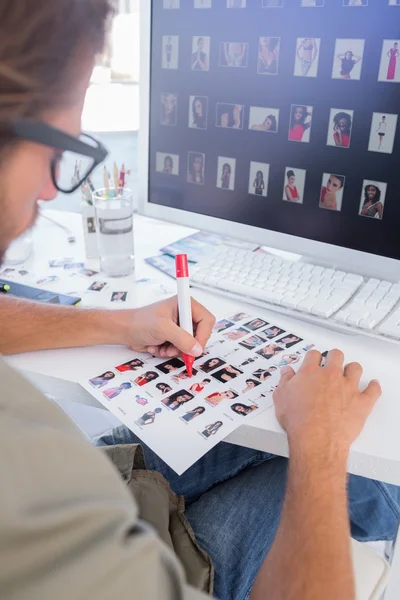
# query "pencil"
(106, 182)
(116, 178)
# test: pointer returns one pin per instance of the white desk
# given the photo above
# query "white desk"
(376, 453)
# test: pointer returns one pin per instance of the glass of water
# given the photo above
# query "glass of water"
(114, 225)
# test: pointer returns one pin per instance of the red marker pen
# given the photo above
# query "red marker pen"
(184, 303)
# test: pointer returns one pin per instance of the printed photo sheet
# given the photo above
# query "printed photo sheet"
(182, 418)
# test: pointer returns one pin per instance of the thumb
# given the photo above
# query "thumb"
(287, 374)
(181, 339)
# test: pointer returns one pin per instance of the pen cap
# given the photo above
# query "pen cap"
(182, 266)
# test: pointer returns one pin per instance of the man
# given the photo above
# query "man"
(69, 527)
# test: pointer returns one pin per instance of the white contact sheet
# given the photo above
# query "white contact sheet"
(182, 418)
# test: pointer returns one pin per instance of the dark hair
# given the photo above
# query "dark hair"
(153, 375)
(160, 386)
(237, 405)
(199, 121)
(219, 423)
(288, 174)
(192, 157)
(348, 52)
(172, 115)
(293, 122)
(274, 124)
(201, 39)
(259, 178)
(341, 179)
(198, 409)
(229, 168)
(346, 117)
(377, 195)
(169, 159)
(42, 46)
(206, 365)
(207, 380)
(173, 397)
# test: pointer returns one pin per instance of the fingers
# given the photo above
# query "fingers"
(312, 358)
(180, 338)
(204, 322)
(335, 360)
(163, 351)
(287, 373)
(372, 392)
(353, 372)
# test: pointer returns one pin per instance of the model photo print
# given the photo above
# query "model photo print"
(293, 189)
(264, 119)
(268, 55)
(167, 163)
(198, 111)
(226, 173)
(332, 191)
(373, 199)
(258, 179)
(383, 133)
(170, 52)
(195, 168)
(300, 123)
(340, 126)
(307, 57)
(168, 109)
(202, 3)
(200, 53)
(347, 61)
(171, 4)
(230, 116)
(389, 68)
(233, 54)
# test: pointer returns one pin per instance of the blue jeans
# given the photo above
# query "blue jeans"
(234, 499)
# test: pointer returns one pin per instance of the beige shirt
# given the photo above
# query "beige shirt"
(69, 528)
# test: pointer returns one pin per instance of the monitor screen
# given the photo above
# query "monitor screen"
(280, 114)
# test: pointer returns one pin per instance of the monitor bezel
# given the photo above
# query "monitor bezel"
(370, 265)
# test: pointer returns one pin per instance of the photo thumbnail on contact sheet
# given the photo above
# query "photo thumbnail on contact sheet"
(233, 381)
(327, 98)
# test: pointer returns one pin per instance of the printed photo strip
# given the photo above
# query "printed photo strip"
(347, 62)
(373, 199)
(300, 123)
(264, 119)
(168, 164)
(200, 53)
(168, 114)
(389, 69)
(293, 189)
(340, 127)
(307, 57)
(226, 173)
(332, 191)
(170, 52)
(198, 112)
(383, 132)
(233, 54)
(229, 115)
(268, 55)
(195, 168)
(258, 179)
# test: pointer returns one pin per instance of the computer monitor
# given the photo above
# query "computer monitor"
(276, 121)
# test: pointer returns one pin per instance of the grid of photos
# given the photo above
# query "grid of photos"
(263, 56)
(232, 381)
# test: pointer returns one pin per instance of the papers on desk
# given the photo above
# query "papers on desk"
(182, 418)
(68, 277)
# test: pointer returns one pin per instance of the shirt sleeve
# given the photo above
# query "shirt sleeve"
(68, 526)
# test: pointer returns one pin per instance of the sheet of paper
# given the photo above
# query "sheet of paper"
(180, 418)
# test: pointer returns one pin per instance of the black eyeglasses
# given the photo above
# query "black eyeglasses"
(78, 157)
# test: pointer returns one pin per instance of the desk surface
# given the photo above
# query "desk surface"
(375, 454)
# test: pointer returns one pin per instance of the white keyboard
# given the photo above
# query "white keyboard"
(336, 299)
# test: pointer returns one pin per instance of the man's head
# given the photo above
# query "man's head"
(47, 51)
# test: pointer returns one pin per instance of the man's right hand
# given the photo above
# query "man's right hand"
(323, 407)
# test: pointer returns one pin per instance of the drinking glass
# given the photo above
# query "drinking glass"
(114, 225)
